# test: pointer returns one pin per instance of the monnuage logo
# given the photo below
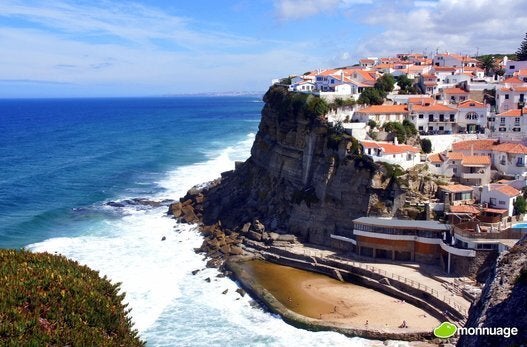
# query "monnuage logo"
(447, 329)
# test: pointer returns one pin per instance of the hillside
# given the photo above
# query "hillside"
(47, 299)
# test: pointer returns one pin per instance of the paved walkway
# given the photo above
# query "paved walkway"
(443, 286)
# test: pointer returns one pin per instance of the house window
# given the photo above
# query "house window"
(471, 116)
(454, 170)
(516, 130)
(506, 96)
(502, 120)
(502, 130)
(512, 67)
(421, 116)
(491, 119)
(492, 201)
(421, 128)
(501, 202)
(438, 165)
(517, 121)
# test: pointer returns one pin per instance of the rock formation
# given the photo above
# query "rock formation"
(503, 301)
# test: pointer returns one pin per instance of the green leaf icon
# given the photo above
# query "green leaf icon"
(445, 330)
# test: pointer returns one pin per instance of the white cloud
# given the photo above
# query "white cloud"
(298, 9)
(490, 26)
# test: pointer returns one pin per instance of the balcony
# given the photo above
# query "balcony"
(473, 175)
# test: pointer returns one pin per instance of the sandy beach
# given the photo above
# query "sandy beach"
(321, 297)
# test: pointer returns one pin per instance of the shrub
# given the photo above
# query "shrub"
(520, 205)
(48, 300)
(426, 145)
(372, 124)
(317, 106)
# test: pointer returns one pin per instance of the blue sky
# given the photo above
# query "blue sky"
(65, 48)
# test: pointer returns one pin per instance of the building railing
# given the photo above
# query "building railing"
(504, 233)
(410, 282)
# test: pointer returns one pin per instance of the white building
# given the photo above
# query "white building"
(501, 196)
(433, 118)
(513, 66)
(381, 114)
(471, 170)
(509, 125)
(510, 93)
(472, 116)
(393, 153)
(510, 158)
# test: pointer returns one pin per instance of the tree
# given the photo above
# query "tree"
(520, 205)
(385, 83)
(426, 146)
(372, 124)
(521, 53)
(488, 63)
(372, 96)
(317, 105)
(405, 84)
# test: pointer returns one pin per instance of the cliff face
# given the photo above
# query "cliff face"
(503, 301)
(299, 179)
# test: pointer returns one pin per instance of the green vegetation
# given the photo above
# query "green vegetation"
(521, 53)
(402, 131)
(385, 83)
(406, 85)
(335, 135)
(339, 102)
(287, 103)
(286, 80)
(426, 146)
(488, 63)
(520, 205)
(377, 94)
(372, 124)
(48, 300)
(371, 96)
(392, 170)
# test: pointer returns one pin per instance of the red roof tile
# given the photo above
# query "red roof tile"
(379, 109)
(512, 148)
(505, 189)
(481, 145)
(456, 188)
(454, 91)
(464, 209)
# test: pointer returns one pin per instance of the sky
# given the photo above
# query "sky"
(74, 48)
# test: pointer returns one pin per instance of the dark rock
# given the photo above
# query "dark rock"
(214, 263)
(254, 236)
(194, 272)
(257, 226)
(235, 250)
(207, 279)
(175, 209)
(246, 227)
(225, 291)
(241, 292)
(163, 238)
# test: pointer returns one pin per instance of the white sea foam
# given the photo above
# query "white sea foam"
(170, 306)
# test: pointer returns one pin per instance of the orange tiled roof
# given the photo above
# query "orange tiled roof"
(421, 100)
(512, 148)
(480, 160)
(435, 158)
(455, 155)
(470, 103)
(456, 188)
(389, 148)
(454, 91)
(522, 72)
(516, 112)
(464, 209)
(381, 109)
(435, 107)
(513, 80)
(444, 68)
(481, 144)
(505, 189)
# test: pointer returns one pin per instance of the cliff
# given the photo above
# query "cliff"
(303, 176)
(503, 301)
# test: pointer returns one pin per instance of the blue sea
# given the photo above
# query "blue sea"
(68, 171)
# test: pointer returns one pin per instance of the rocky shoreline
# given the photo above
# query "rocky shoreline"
(226, 248)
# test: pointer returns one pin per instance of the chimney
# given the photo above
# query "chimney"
(395, 141)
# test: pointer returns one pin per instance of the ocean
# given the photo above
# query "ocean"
(62, 161)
